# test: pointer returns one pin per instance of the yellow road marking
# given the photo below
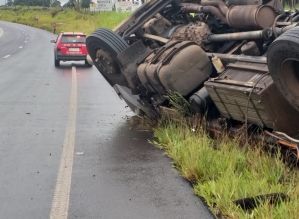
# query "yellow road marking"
(60, 204)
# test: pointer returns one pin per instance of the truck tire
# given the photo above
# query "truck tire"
(103, 45)
(283, 63)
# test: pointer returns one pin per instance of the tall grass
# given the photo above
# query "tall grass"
(222, 171)
(111, 19)
(66, 20)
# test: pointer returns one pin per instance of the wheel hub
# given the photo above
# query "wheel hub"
(106, 63)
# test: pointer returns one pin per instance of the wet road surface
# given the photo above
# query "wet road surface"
(51, 113)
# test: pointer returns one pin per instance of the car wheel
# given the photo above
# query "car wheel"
(283, 63)
(103, 45)
(56, 62)
(87, 64)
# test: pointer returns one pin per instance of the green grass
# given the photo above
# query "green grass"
(222, 171)
(288, 7)
(66, 20)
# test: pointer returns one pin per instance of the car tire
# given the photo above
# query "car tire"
(56, 62)
(87, 64)
(104, 43)
(283, 64)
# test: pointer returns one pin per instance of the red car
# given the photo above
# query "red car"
(70, 46)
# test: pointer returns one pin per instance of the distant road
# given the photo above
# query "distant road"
(64, 130)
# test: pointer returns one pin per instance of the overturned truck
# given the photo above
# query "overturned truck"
(236, 61)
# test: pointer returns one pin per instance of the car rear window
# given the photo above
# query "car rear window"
(73, 39)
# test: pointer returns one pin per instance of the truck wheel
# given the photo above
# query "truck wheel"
(103, 45)
(283, 63)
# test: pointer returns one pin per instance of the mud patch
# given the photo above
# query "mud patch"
(144, 124)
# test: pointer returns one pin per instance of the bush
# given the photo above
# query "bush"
(54, 12)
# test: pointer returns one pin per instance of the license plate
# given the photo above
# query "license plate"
(74, 49)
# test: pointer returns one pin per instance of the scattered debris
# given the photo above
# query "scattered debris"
(253, 202)
(79, 153)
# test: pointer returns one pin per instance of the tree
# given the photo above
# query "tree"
(56, 4)
(76, 4)
(85, 3)
(10, 3)
(69, 4)
(47, 3)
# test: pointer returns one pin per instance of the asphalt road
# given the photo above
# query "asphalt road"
(49, 114)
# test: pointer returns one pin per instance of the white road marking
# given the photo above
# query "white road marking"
(21, 47)
(1, 32)
(60, 203)
(25, 41)
(5, 57)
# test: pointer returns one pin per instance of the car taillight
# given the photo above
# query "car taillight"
(58, 47)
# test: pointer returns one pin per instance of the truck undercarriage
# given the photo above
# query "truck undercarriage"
(238, 60)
